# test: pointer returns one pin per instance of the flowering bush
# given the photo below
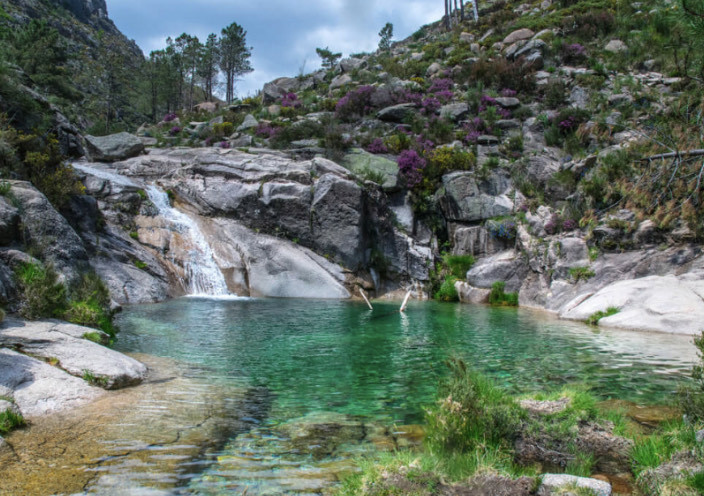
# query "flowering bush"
(174, 131)
(377, 146)
(407, 96)
(553, 225)
(441, 85)
(508, 92)
(430, 105)
(445, 96)
(411, 166)
(568, 124)
(574, 53)
(504, 113)
(170, 117)
(209, 141)
(290, 100)
(569, 225)
(266, 131)
(502, 229)
(356, 103)
(224, 144)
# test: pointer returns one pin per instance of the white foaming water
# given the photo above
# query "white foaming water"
(203, 277)
(106, 174)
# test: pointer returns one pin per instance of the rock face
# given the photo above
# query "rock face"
(469, 198)
(55, 340)
(47, 230)
(115, 147)
(359, 161)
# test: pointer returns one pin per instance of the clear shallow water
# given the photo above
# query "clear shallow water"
(322, 369)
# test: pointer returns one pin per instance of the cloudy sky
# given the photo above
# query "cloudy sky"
(283, 34)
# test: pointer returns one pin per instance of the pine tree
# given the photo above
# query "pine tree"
(386, 33)
(234, 57)
(208, 65)
(329, 58)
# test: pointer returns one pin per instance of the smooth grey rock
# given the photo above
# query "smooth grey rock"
(242, 142)
(470, 294)
(340, 81)
(433, 69)
(396, 113)
(38, 388)
(466, 37)
(616, 46)
(579, 97)
(519, 34)
(468, 198)
(682, 465)
(507, 266)
(654, 303)
(114, 147)
(532, 47)
(249, 123)
(507, 124)
(542, 167)
(553, 483)
(620, 99)
(488, 140)
(259, 265)
(352, 64)
(454, 111)
(76, 355)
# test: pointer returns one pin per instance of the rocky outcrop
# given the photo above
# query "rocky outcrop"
(37, 388)
(66, 345)
(469, 198)
(654, 303)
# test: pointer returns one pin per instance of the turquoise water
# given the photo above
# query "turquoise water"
(307, 357)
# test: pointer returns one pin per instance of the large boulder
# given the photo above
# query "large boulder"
(454, 111)
(396, 113)
(55, 340)
(518, 35)
(469, 198)
(38, 388)
(114, 147)
(507, 266)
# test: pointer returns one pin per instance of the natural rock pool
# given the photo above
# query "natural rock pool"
(276, 396)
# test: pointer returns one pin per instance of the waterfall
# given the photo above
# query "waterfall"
(202, 275)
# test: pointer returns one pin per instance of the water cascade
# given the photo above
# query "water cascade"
(202, 275)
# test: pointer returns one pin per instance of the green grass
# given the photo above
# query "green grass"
(498, 297)
(140, 265)
(581, 273)
(10, 420)
(594, 318)
(93, 379)
(96, 337)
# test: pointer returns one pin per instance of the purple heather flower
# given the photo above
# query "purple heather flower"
(290, 100)
(411, 166)
(377, 146)
(174, 131)
(508, 92)
(441, 85)
(170, 117)
(224, 144)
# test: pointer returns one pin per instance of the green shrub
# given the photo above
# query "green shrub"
(96, 337)
(597, 316)
(447, 291)
(2, 314)
(94, 380)
(41, 295)
(368, 174)
(581, 273)
(140, 265)
(471, 412)
(498, 297)
(89, 304)
(10, 420)
(458, 265)
(691, 397)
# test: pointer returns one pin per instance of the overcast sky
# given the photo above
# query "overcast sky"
(283, 34)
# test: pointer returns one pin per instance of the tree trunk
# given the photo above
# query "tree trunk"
(462, 10)
(475, 10)
(447, 14)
